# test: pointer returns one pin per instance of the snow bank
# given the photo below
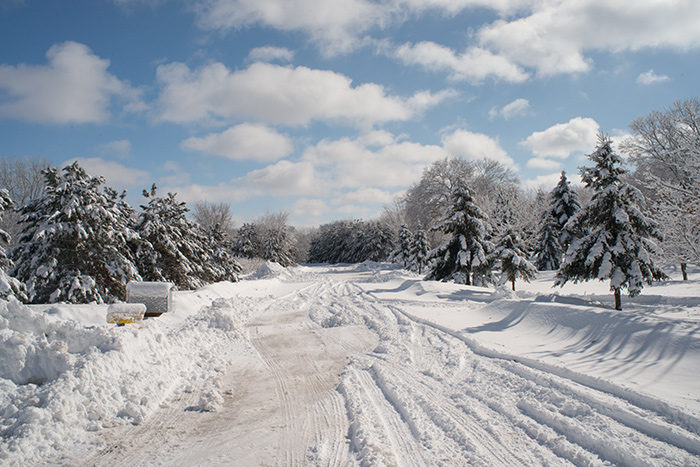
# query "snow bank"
(60, 379)
(268, 270)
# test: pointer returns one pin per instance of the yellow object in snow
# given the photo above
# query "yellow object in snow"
(123, 313)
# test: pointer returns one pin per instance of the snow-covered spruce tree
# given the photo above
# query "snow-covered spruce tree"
(246, 242)
(564, 204)
(420, 249)
(74, 246)
(172, 247)
(224, 265)
(511, 252)
(465, 250)
(616, 236)
(548, 250)
(9, 286)
(403, 252)
(373, 242)
(275, 238)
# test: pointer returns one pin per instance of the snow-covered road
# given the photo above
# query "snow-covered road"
(333, 366)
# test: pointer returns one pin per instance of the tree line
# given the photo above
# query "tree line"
(468, 221)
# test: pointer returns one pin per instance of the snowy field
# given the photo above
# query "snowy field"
(359, 365)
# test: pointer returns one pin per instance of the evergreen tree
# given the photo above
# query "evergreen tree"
(402, 253)
(465, 249)
(246, 243)
(564, 204)
(511, 252)
(420, 250)
(172, 248)
(549, 252)
(616, 236)
(9, 286)
(74, 246)
(225, 266)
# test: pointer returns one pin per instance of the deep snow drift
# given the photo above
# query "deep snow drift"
(358, 365)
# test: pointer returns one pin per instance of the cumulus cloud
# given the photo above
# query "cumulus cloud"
(650, 77)
(74, 87)
(309, 208)
(283, 178)
(351, 163)
(243, 142)
(116, 175)
(334, 26)
(554, 37)
(365, 196)
(270, 53)
(279, 95)
(517, 108)
(475, 146)
(542, 163)
(221, 193)
(475, 65)
(563, 139)
(547, 182)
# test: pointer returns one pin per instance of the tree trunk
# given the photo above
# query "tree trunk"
(618, 300)
(513, 283)
(684, 270)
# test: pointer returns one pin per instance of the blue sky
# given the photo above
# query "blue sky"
(329, 109)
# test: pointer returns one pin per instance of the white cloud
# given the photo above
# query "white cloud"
(334, 25)
(541, 163)
(270, 53)
(73, 88)
(283, 178)
(650, 77)
(475, 65)
(115, 174)
(547, 182)
(563, 139)
(365, 196)
(517, 108)
(120, 148)
(554, 37)
(279, 95)
(191, 193)
(243, 142)
(309, 208)
(350, 163)
(475, 146)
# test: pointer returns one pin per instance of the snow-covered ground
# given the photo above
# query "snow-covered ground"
(358, 365)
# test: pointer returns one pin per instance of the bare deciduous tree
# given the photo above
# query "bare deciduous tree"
(24, 181)
(209, 215)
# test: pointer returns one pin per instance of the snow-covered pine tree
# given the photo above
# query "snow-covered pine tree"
(616, 236)
(564, 204)
(225, 266)
(420, 250)
(402, 253)
(548, 251)
(511, 252)
(246, 242)
(74, 246)
(9, 286)
(172, 248)
(465, 249)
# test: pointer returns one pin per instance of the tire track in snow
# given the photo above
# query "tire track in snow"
(646, 433)
(305, 362)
